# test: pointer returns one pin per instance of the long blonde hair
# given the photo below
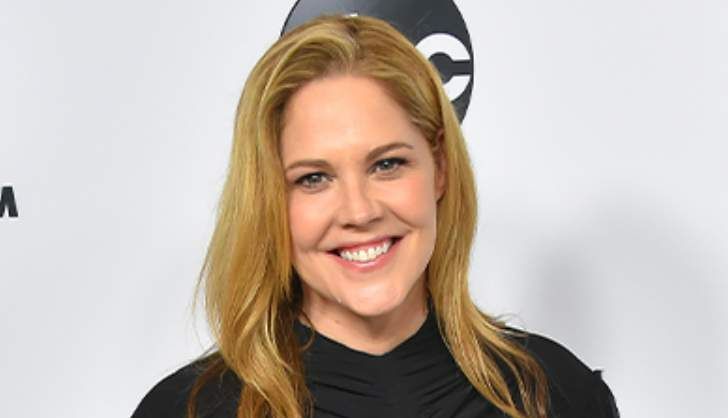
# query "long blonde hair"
(251, 292)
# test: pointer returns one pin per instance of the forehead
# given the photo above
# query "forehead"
(341, 113)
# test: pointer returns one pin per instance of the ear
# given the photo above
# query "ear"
(440, 165)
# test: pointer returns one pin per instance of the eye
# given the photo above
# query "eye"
(310, 181)
(389, 165)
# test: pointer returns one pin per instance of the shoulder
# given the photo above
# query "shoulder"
(576, 390)
(169, 397)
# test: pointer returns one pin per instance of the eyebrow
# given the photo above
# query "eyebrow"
(370, 156)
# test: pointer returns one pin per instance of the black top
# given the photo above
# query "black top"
(418, 378)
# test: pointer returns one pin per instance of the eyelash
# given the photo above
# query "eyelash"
(399, 162)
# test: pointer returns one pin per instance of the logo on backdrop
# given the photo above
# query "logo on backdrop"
(436, 27)
(7, 202)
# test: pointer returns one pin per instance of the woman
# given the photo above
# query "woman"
(336, 279)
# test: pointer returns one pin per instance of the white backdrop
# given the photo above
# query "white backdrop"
(598, 135)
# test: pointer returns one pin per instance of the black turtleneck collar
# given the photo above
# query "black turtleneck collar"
(418, 378)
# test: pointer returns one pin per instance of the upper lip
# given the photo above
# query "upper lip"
(351, 245)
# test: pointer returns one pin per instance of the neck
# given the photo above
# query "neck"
(374, 335)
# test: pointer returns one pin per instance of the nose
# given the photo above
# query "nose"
(358, 206)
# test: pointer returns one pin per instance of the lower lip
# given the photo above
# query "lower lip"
(375, 264)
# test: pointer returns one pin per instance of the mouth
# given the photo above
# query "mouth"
(366, 255)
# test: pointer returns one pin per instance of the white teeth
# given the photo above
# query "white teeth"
(369, 254)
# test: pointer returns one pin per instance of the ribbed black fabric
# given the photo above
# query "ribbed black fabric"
(418, 378)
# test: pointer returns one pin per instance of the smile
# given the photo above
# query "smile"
(365, 259)
(366, 254)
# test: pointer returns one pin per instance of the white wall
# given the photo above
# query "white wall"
(597, 130)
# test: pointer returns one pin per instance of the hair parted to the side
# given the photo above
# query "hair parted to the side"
(252, 295)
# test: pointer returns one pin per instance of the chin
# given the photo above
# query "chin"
(370, 311)
(375, 306)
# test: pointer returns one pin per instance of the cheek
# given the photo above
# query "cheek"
(307, 220)
(414, 199)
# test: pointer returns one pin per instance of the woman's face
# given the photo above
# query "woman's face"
(362, 194)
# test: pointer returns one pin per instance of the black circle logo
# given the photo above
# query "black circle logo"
(436, 27)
